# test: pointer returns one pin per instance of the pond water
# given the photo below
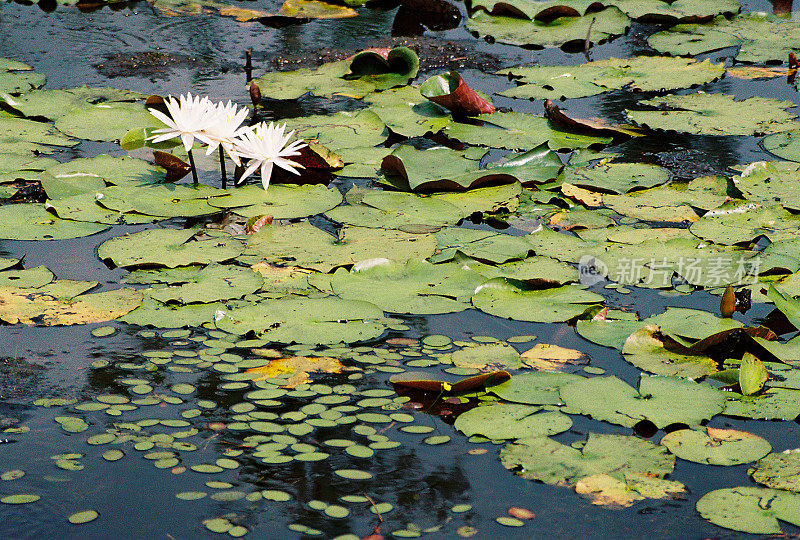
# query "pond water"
(190, 439)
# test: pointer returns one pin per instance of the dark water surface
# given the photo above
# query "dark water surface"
(137, 500)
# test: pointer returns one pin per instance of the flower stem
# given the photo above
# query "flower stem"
(194, 169)
(222, 168)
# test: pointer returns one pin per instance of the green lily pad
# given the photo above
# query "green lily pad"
(716, 114)
(395, 210)
(164, 200)
(407, 113)
(341, 130)
(83, 517)
(715, 446)
(26, 279)
(694, 324)
(778, 470)
(750, 509)
(662, 400)
(105, 121)
(772, 404)
(53, 104)
(309, 247)
(324, 81)
(531, 269)
(194, 284)
(548, 461)
(167, 247)
(770, 183)
(17, 77)
(538, 388)
(785, 303)
(486, 355)
(31, 135)
(666, 203)
(517, 131)
(739, 222)
(645, 349)
(511, 421)
(559, 32)
(481, 245)
(760, 38)
(385, 69)
(30, 221)
(610, 333)
(120, 171)
(785, 145)
(20, 498)
(504, 299)
(415, 286)
(616, 177)
(280, 201)
(305, 320)
(154, 313)
(642, 73)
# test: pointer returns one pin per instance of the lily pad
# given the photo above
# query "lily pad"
(281, 201)
(563, 31)
(716, 114)
(510, 421)
(778, 470)
(735, 223)
(341, 130)
(538, 388)
(168, 247)
(548, 461)
(642, 73)
(715, 446)
(646, 349)
(17, 77)
(662, 400)
(616, 177)
(415, 286)
(194, 284)
(760, 38)
(772, 404)
(750, 509)
(504, 299)
(394, 210)
(165, 200)
(482, 245)
(30, 221)
(55, 304)
(770, 183)
(305, 320)
(304, 245)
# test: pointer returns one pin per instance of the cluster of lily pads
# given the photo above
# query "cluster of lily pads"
(382, 255)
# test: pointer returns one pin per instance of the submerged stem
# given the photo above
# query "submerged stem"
(222, 168)
(194, 169)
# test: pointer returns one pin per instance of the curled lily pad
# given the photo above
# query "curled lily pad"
(385, 68)
(450, 91)
(423, 381)
(715, 446)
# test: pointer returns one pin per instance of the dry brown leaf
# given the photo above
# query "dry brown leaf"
(547, 357)
(581, 195)
(299, 366)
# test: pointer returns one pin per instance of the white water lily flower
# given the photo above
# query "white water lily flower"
(189, 118)
(226, 127)
(267, 145)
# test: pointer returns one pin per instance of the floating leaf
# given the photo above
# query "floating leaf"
(563, 31)
(760, 37)
(422, 381)
(168, 247)
(30, 221)
(538, 388)
(752, 375)
(616, 177)
(451, 92)
(715, 446)
(300, 368)
(750, 509)
(306, 246)
(504, 299)
(662, 400)
(547, 357)
(511, 421)
(282, 201)
(715, 114)
(49, 306)
(778, 470)
(193, 284)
